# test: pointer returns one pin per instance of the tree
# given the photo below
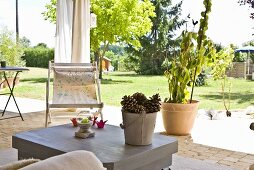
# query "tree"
(122, 21)
(117, 54)
(25, 42)
(116, 49)
(158, 44)
(222, 61)
(50, 13)
(250, 3)
(10, 50)
(250, 43)
(41, 45)
(118, 21)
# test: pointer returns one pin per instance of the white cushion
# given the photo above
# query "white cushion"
(18, 164)
(76, 160)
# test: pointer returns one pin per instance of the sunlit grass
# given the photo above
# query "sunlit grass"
(117, 84)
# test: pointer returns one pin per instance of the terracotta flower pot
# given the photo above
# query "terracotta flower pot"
(178, 119)
(138, 128)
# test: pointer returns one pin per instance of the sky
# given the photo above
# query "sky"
(31, 22)
(228, 22)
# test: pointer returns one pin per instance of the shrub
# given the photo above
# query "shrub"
(10, 51)
(252, 57)
(240, 57)
(201, 79)
(38, 57)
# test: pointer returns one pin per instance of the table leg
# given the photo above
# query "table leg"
(11, 94)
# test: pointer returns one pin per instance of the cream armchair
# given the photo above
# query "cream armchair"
(76, 160)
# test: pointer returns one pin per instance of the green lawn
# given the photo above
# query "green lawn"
(117, 84)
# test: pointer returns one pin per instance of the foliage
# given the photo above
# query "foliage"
(240, 57)
(10, 51)
(120, 21)
(38, 57)
(250, 43)
(201, 79)
(118, 57)
(121, 61)
(157, 44)
(250, 3)
(224, 61)
(116, 49)
(114, 59)
(41, 45)
(126, 63)
(117, 21)
(50, 13)
(194, 49)
(25, 42)
(218, 47)
(252, 57)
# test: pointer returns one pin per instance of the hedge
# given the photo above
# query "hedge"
(38, 57)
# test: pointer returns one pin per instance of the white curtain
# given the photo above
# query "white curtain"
(81, 32)
(73, 31)
(64, 17)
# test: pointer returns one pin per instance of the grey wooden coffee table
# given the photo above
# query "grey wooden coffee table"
(108, 145)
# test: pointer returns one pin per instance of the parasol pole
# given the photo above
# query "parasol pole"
(248, 62)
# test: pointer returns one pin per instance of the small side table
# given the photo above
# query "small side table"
(17, 70)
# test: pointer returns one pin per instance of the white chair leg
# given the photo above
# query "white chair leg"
(48, 117)
(100, 112)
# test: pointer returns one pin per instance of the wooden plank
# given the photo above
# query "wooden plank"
(100, 105)
(72, 64)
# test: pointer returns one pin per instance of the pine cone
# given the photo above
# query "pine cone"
(138, 109)
(153, 104)
(138, 103)
(140, 98)
(151, 107)
(155, 98)
(128, 103)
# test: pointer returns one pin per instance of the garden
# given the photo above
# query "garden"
(33, 85)
(181, 74)
(130, 76)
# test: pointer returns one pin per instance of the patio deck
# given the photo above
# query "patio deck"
(227, 142)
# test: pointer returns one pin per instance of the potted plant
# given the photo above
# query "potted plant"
(139, 118)
(179, 109)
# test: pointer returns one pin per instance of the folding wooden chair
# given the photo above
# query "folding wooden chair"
(75, 85)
